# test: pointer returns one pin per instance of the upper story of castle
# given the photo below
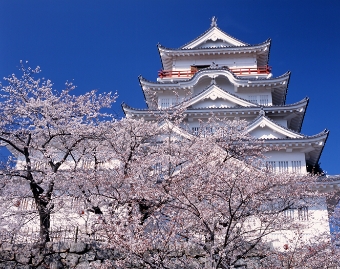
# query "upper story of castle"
(215, 58)
(218, 49)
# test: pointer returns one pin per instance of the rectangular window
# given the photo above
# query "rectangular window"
(158, 172)
(175, 101)
(87, 164)
(283, 166)
(195, 130)
(296, 167)
(271, 166)
(165, 103)
(264, 100)
(252, 98)
(289, 213)
(208, 131)
(303, 213)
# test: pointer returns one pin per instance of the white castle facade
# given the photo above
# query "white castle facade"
(217, 74)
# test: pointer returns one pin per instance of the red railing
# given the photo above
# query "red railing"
(176, 74)
(252, 71)
(261, 70)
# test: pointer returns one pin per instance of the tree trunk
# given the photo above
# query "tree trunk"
(42, 203)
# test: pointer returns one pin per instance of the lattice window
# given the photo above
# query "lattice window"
(283, 166)
(264, 100)
(165, 102)
(87, 164)
(289, 213)
(195, 130)
(252, 98)
(296, 167)
(174, 101)
(208, 131)
(303, 213)
(271, 166)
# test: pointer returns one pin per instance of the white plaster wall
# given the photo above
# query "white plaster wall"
(282, 122)
(213, 103)
(315, 228)
(283, 155)
(230, 60)
(214, 44)
(266, 132)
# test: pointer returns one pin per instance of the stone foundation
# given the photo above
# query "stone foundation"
(55, 256)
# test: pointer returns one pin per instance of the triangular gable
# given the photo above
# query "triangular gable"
(167, 125)
(264, 128)
(208, 98)
(214, 37)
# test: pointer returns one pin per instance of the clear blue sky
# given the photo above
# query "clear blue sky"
(106, 44)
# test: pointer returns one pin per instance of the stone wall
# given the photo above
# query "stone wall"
(55, 256)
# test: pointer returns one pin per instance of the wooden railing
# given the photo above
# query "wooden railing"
(261, 70)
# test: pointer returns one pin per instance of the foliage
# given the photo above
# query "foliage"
(160, 196)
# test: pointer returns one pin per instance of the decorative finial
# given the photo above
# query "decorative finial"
(213, 22)
(262, 113)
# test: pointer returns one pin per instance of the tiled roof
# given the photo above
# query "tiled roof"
(220, 47)
(124, 105)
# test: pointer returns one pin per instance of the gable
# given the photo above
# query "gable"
(215, 44)
(213, 37)
(214, 96)
(266, 129)
(266, 133)
(177, 133)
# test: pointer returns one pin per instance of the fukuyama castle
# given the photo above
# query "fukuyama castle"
(217, 74)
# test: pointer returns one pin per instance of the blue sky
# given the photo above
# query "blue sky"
(106, 44)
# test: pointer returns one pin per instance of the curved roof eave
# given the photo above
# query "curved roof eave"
(233, 78)
(296, 105)
(226, 48)
(304, 113)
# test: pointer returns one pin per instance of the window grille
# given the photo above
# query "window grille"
(208, 131)
(296, 167)
(165, 103)
(175, 102)
(283, 166)
(195, 130)
(87, 164)
(252, 98)
(303, 213)
(264, 100)
(289, 213)
(271, 166)
(158, 172)
(158, 168)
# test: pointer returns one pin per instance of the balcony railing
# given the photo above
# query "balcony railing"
(261, 70)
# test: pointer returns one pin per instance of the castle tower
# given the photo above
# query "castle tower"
(217, 74)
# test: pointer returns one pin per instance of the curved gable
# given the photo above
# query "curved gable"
(264, 128)
(213, 37)
(208, 98)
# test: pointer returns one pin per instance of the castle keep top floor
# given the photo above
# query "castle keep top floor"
(218, 48)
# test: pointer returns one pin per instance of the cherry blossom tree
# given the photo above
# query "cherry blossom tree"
(43, 130)
(205, 201)
(161, 197)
